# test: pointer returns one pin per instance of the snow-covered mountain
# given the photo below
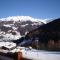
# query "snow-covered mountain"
(12, 28)
(22, 18)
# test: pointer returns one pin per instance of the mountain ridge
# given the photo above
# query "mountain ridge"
(23, 18)
(17, 26)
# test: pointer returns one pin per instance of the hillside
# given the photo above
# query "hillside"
(13, 28)
(46, 36)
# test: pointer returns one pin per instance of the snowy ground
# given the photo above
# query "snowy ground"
(40, 55)
(30, 53)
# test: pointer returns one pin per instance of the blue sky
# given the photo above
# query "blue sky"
(35, 8)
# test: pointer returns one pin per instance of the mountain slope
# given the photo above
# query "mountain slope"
(46, 36)
(12, 28)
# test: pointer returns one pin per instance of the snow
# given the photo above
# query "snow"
(12, 37)
(7, 25)
(40, 55)
(37, 54)
(32, 53)
(39, 23)
(14, 28)
(7, 44)
(9, 36)
(24, 25)
(26, 32)
(2, 32)
(10, 45)
(23, 18)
